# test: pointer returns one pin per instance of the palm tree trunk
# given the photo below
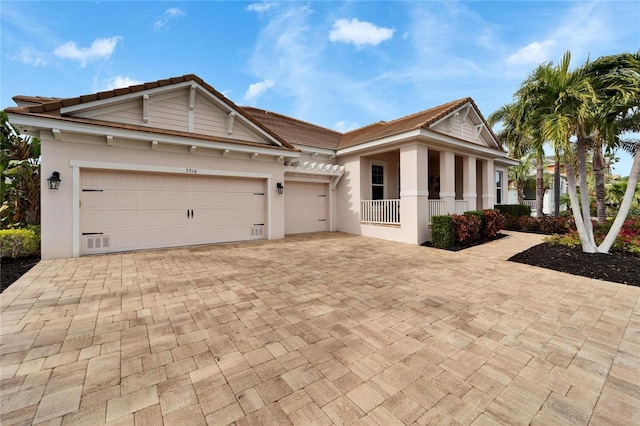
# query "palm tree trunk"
(598, 168)
(624, 207)
(556, 186)
(588, 243)
(539, 184)
(582, 176)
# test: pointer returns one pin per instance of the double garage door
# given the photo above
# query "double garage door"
(123, 211)
(306, 207)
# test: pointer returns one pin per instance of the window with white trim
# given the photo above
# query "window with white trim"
(377, 182)
(499, 185)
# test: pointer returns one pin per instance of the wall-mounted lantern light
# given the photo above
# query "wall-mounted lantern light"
(54, 180)
(280, 187)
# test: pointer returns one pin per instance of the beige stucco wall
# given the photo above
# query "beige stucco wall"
(57, 206)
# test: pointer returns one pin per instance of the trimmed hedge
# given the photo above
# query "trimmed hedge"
(442, 235)
(19, 242)
(515, 210)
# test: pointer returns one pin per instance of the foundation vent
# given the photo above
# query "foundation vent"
(256, 231)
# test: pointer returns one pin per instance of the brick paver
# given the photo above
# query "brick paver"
(317, 329)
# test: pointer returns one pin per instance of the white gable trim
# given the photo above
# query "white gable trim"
(192, 85)
(151, 137)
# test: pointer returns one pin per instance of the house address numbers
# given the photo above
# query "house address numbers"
(192, 171)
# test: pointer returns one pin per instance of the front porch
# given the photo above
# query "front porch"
(402, 189)
(387, 212)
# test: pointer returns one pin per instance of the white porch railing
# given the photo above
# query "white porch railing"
(436, 207)
(386, 212)
(461, 206)
(530, 203)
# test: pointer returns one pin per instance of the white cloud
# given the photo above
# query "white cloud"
(260, 7)
(118, 81)
(257, 89)
(532, 54)
(101, 48)
(343, 126)
(171, 13)
(359, 32)
(30, 56)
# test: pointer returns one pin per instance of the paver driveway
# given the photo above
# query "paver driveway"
(318, 329)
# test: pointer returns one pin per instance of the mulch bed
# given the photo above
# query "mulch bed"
(12, 269)
(616, 267)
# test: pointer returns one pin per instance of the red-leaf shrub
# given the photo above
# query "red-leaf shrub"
(493, 223)
(466, 228)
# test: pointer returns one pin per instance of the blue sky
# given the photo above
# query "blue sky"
(341, 65)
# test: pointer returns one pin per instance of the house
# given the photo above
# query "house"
(548, 200)
(175, 163)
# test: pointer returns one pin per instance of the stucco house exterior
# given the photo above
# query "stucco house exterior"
(175, 163)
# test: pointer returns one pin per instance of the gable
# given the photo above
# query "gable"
(467, 124)
(182, 108)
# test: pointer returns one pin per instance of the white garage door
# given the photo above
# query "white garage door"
(305, 207)
(123, 211)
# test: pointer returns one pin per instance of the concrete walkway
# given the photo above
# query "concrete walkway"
(317, 329)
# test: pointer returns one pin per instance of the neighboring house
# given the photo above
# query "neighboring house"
(548, 201)
(175, 163)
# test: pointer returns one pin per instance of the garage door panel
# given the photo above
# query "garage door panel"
(306, 207)
(145, 210)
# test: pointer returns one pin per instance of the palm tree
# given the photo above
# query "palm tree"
(522, 143)
(571, 103)
(616, 84)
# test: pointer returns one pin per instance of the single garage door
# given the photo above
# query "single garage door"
(305, 207)
(123, 211)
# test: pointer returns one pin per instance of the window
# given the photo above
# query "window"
(499, 176)
(377, 182)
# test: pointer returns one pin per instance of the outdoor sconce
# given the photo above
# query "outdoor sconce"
(280, 187)
(54, 180)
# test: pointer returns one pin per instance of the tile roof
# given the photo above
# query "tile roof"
(50, 107)
(287, 130)
(422, 119)
(297, 131)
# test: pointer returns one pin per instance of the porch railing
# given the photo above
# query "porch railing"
(385, 212)
(461, 206)
(436, 207)
(530, 203)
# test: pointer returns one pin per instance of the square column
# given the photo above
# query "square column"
(488, 184)
(448, 180)
(469, 183)
(414, 193)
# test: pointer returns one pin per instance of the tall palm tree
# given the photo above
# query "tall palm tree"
(523, 143)
(615, 80)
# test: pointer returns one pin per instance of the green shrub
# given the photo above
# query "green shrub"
(515, 210)
(18, 242)
(442, 235)
(570, 239)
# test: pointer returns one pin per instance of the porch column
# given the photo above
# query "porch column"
(414, 192)
(469, 184)
(488, 184)
(448, 180)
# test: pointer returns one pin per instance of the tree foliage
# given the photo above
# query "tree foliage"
(20, 176)
(579, 113)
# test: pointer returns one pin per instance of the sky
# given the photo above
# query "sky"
(338, 64)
